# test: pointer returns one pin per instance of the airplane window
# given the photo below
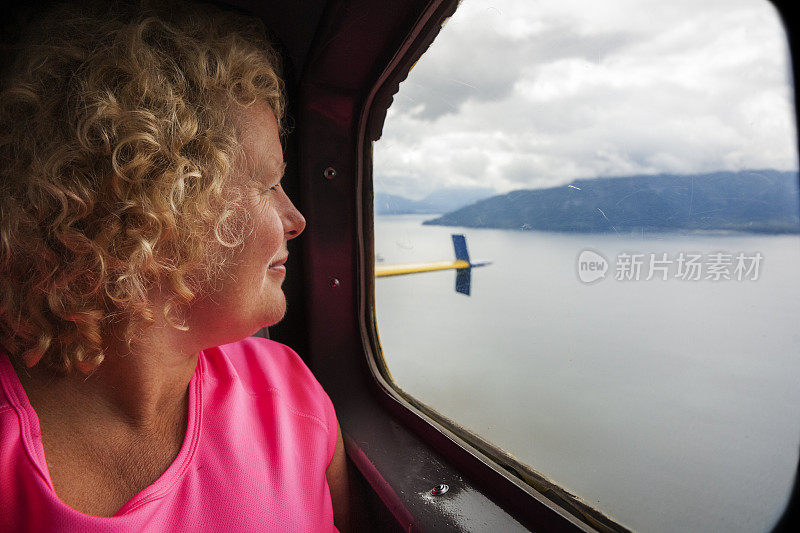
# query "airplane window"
(587, 247)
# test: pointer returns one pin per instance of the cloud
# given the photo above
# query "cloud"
(535, 94)
(480, 63)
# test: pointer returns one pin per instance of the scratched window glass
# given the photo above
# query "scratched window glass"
(587, 251)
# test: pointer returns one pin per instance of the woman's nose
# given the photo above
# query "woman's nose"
(294, 222)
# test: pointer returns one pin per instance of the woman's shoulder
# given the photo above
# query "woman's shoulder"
(266, 367)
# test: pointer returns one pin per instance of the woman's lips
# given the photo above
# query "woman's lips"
(278, 266)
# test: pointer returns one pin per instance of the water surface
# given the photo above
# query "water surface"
(669, 405)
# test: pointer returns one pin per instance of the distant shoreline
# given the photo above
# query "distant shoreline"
(748, 201)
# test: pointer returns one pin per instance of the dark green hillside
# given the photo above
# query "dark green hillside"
(758, 201)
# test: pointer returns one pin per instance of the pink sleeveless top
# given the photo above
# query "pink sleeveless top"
(261, 434)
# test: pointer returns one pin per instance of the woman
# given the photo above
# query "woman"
(143, 233)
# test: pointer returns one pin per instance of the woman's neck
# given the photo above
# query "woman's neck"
(145, 387)
(109, 434)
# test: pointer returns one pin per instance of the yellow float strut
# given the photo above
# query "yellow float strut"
(413, 268)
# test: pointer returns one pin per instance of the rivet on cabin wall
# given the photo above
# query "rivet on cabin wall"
(333, 283)
(329, 173)
(438, 490)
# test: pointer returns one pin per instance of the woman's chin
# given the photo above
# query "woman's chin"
(276, 312)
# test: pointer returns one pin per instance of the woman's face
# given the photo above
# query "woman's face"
(251, 296)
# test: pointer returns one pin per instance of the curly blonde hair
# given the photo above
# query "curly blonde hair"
(117, 145)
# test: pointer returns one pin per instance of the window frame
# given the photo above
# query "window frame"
(507, 468)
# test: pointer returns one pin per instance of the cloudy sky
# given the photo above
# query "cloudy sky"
(535, 93)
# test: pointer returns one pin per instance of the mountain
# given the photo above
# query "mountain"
(446, 200)
(439, 201)
(392, 204)
(749, 200)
